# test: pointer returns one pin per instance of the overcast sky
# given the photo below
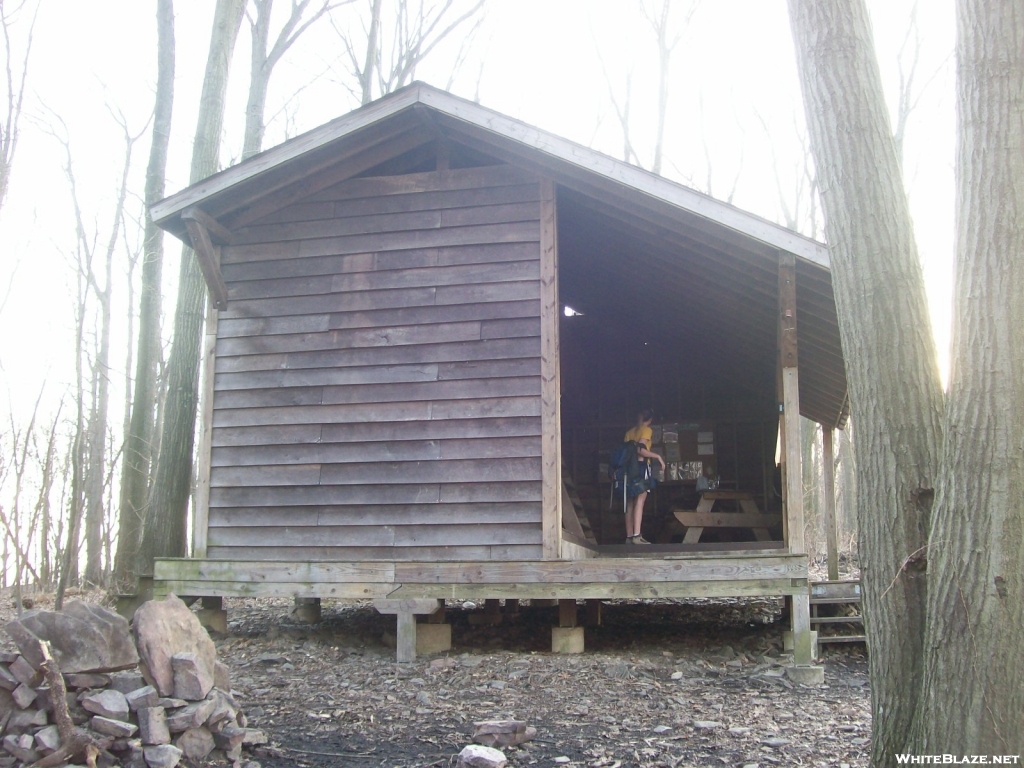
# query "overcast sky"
(735, 120)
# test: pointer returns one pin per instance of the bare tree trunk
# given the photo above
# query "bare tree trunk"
(973, 689)
(895, 394)
(138, 446)
(15, 93)
(163, 534)
(262, 61)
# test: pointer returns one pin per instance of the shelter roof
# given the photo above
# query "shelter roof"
(730, 253)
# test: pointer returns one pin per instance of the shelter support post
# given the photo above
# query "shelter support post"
(792, 472)
(550, 393)
(406, 612)
(829, 489)
(200, 522)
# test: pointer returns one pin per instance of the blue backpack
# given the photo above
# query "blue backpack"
(623, 470)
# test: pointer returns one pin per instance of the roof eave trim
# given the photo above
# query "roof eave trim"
(168, 208)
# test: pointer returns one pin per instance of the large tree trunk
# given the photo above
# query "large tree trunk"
(138, 446)
(164, 530)
(895, 394)
(973, 690)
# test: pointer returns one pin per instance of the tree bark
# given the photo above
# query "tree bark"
(973, 690)
(138, 447)
(895, 394)
(164, 530)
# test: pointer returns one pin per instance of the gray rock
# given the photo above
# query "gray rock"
(119, 729)
(84, 637)
(108, 703)
(21, 747)
(224, 708)
(221, 676)
(192, 716)
(775, 742)
(23, 719)
(229, 738)
(706, 725)
(479, 756)
(7, 681)
(168, 703)
(502, 733)
(86, 680)
(162, 756)
(142, 697)
(24, 696)
(738, 731)
(153, 726)
(126, 682)
(48, 739)
(192, 679)
(195, 743)
(26, 674)
(254, 737)
(164, 628)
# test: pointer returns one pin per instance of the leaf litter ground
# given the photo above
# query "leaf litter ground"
(673, 683)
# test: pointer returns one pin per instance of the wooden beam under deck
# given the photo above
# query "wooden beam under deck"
(690, 575)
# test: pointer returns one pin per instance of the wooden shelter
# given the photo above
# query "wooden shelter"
(427, 322)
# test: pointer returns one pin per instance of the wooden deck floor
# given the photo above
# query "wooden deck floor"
(655, 571)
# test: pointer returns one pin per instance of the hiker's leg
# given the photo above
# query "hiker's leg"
(630, 504)
(638, 512)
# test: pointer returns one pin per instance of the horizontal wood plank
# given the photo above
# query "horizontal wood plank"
(387, 514)
(347, 495)
(470, 471)
(479, 234)
(390, 450)
(462, 178)
(361, 338)
(603, 570)
(378, 412)
(376, 535)
(383, 318)
(328, 303)
(379, 223)
(497, 553)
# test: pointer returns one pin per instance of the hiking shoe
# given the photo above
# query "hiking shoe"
(638, 539)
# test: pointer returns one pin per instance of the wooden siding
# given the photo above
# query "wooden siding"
(377, 389)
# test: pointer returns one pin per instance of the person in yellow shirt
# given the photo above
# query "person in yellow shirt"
(637, 490)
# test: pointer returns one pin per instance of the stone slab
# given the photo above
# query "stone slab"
(433, 638)
(567, 639)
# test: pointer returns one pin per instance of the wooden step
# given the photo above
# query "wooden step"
(837, 620)
(842, 639)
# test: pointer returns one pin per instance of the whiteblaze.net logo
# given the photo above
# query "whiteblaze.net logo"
(958, 759)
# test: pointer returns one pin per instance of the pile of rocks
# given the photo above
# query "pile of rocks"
(140, 697)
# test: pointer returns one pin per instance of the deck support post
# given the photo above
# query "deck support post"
(829, 489)
(568, 616)
(212, 614)
(594, 613)
(406, 612)
(793, 492)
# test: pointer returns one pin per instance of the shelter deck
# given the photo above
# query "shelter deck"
(659, 572)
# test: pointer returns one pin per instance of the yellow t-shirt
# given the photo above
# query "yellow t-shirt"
(640, 434)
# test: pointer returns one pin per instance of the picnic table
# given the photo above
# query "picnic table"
(744, 514)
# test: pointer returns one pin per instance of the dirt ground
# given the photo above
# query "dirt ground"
(662, 683)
